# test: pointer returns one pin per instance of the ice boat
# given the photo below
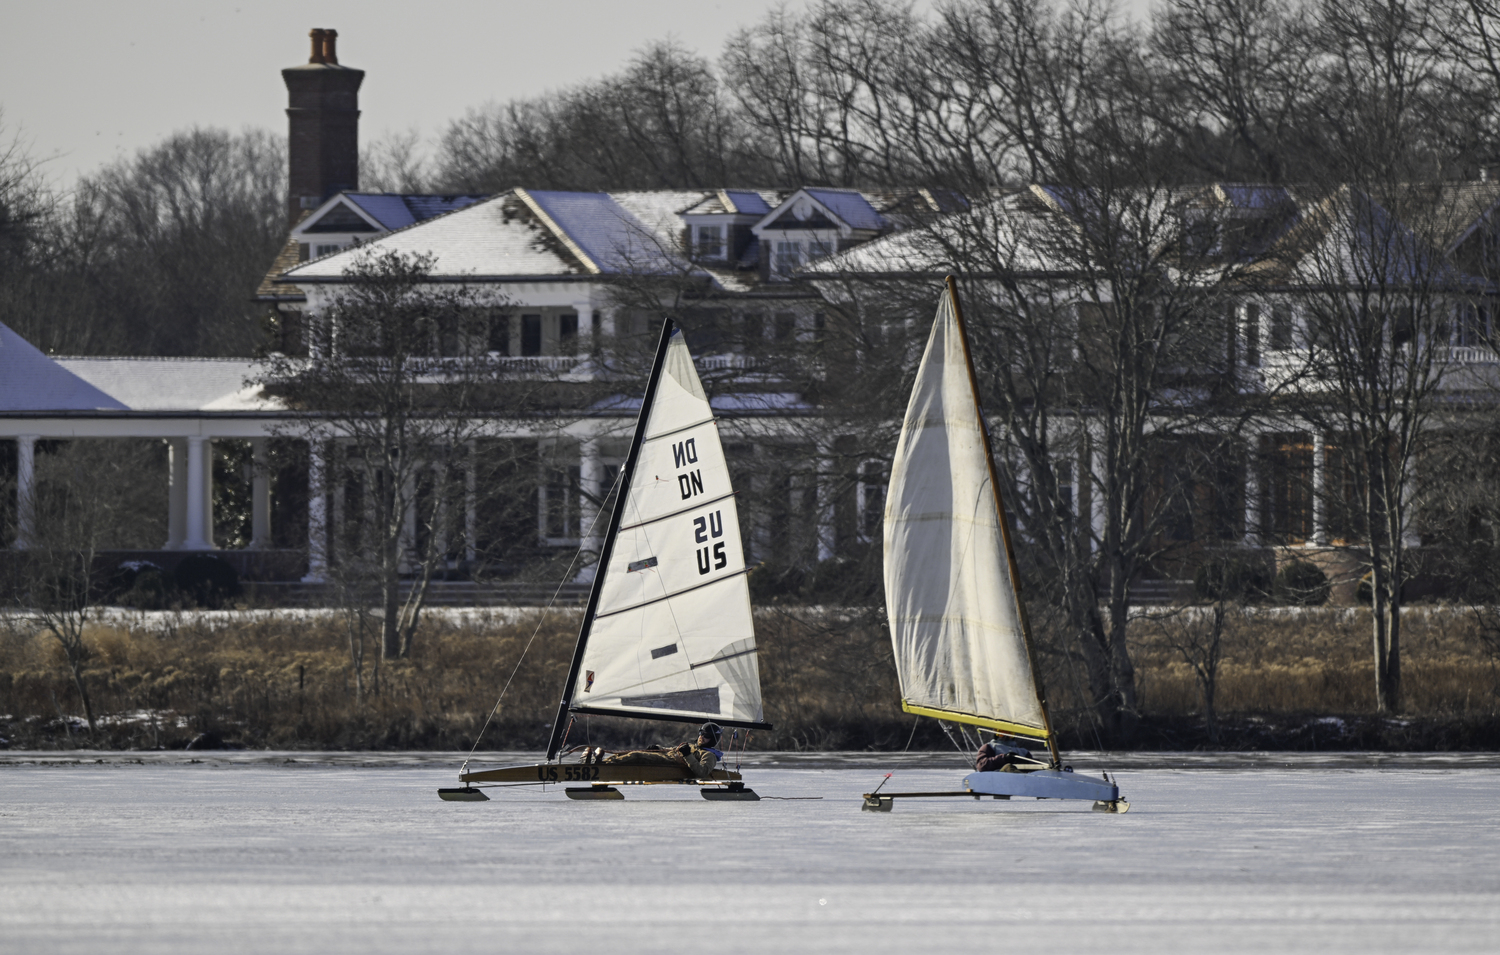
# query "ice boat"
(958, 624)
(667, 633)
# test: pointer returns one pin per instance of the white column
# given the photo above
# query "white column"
(585, 328)
(317, 514)
(471, 504)
(1319, 502)
(824, 497)
(25, 490)
(197, 534)
(176, 493)
(1252, 493)
(260, 495)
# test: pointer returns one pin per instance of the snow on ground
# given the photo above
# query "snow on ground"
(355, 853)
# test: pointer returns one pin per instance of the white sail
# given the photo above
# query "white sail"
(954, 612)
(672, 634)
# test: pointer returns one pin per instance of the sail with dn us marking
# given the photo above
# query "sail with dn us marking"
(955, 614)
(669, 633)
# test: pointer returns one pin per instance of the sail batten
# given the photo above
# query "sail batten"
(669, 633)
(957, 624)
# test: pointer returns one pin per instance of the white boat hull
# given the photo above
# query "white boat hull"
(1044, 784)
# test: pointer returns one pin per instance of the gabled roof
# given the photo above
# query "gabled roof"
(497, 237)
(31, 381)
(846, 209)
(399, 210)
(381, 211)
(1349, 237)
(536, 234)
(744, 202)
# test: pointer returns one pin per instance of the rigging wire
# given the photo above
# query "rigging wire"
(567, 575)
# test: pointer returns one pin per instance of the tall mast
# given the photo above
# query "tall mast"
(1010, 554)
(621, 494)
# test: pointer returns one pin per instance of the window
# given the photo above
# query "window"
(321, 250)
(818, 248)
(1252, 334)
(755, 329)
(560, 507)
(788, 257)
(567, 334)
(1472, 327)
(1281, 329)
(786, 326)
(872, 482)
(499, 335)
(531, 336)
(1289, 473)
(710, 242)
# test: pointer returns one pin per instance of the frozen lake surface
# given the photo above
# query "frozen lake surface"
(257, 852)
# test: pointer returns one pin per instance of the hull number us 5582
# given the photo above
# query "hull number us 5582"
(567, 774)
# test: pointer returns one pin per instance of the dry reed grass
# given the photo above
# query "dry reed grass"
(828, 680)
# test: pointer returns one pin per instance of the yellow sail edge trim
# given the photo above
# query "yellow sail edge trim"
(953, 716)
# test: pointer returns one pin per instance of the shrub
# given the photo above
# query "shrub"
(149, 590)
(140, 584)
(1233, 579)
(1301, 582)
(206, 580)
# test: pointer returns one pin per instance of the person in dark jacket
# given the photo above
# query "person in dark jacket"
(998, 757)
(699, 757)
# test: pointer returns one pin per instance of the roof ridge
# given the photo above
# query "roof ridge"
(558, 232)
(151, 358)
(380, 238)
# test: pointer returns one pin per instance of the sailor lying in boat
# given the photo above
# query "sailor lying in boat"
(998, 757)
(699, 757)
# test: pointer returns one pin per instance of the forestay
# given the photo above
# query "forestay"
(954, 612)
(672, 635)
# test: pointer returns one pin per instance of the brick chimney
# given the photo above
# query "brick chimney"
(322, 126)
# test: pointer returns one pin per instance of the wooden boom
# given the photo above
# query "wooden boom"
(593, 773)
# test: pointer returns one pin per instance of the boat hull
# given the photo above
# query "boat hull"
(1043, 784)
(593, 773)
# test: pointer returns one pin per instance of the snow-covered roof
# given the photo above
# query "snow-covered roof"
(31, 381)
(536, 234)
(486, 239)
(740, 403)
(172, 384)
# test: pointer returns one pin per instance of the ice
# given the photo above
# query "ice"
(251, 852)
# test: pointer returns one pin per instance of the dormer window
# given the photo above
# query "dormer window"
(710, 242)
(788, 256)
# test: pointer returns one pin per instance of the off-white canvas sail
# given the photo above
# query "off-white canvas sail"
(672, 634)
(954, 613)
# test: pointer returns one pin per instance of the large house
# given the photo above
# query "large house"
(571, 280)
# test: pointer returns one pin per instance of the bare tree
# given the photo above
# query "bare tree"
(662, 123)
(395, 162)
(400, 385)
(85, 500)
